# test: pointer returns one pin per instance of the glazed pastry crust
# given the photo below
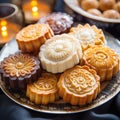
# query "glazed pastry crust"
(30, 38)
(88, 35)
(79, 85)
(44, 90)
(103, 59)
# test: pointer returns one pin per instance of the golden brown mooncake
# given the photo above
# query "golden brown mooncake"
(103, 59)
(88, 35)
(59, 53)
(44, 90)
(19, 69)
(30, 38)
(79, 85)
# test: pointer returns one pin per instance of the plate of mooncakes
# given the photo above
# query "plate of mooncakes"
(61, 74)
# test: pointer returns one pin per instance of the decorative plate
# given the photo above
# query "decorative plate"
(108, 89)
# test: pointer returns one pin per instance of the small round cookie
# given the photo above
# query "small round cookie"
(89, 4)
(88, 35)
(117, 6)
(44, 90)
(112, 14)
(18, 70)
(59, 22)
(79, 85)
(59, 53)
(95, 12)
(106, 4)
(30, 38)
(103, 59)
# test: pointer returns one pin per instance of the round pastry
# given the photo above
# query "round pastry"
(79, 85)
(59, 22)
(88, 35)
(117, 7)
(104, 60)
(60, 53)
(30, 38)
(106, 4)
(19, 69)
(112, 14)
(44, 90)
(89, 4)
(95, 12)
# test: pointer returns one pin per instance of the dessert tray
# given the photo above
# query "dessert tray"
(108, 89)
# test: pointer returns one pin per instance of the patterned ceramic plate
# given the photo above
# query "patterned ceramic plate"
(108, 89)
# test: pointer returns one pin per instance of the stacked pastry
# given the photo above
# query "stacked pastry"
(80, 57)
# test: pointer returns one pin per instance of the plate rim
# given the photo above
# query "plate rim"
(58, 112)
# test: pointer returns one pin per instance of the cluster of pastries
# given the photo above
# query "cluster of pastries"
(80, 58)
(103, 8)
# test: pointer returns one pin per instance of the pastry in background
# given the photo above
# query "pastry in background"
(103, 8)
(102, 59)
(30, 38)
(112, 14)
(79, 85)
(59, 22)
(80, 1)
(95, 12)
(117, 7)
(88, 35)
(44, 90)
(89, 4)
(59, 53)
(19, 69)
(106, 4)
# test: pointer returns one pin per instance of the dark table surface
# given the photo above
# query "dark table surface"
(9, 110)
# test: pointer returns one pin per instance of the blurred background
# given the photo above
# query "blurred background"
(33, 10)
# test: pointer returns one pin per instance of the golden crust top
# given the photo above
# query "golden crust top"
(46, 84)
(80, 80)
(44, 90)
(19, 65)
(100, 57)
(33, 32)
